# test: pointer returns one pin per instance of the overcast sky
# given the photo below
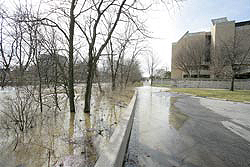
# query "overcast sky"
(193, 16)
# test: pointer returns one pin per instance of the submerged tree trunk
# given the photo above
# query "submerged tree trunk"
(94, 54)
(122, 72)
(71, 59)
(55, 86)
(152, 73)
(98, 81)
(56, 96)
(113, 82)
(3, 79)
(40, 85)
(91, 70)
(40, 94)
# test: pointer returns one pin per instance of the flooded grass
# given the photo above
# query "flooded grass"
(60, 138)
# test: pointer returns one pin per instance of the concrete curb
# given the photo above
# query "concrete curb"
(114, 153)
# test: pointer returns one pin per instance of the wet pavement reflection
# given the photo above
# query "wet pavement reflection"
(173, 130)
(176, 118)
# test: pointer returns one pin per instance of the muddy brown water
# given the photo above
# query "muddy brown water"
(60, 138)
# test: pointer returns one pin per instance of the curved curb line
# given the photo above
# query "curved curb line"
(114, 153)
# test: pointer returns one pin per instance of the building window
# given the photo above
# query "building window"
(205, 67)
(208, 45)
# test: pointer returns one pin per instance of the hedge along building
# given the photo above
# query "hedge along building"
(213, 54)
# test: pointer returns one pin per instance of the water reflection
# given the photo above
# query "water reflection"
(89, 147)
(71, 132)
(36, 147)
(112, 117)
(57, 137)
(176, 118)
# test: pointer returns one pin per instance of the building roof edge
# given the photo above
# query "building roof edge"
(242, 23)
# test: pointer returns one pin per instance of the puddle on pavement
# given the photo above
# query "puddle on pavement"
(176, 118)
(154, 136)
(60, 138)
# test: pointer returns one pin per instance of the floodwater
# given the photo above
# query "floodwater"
(57, 137)
(174, 130)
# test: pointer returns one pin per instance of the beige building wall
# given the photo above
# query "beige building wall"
(223, 33)
(243, 40)
(193, 42)
(242, 31)
(175, 72)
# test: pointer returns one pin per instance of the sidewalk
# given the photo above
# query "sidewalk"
(174, 130)
(147, 142)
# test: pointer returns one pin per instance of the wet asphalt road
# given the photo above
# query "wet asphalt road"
(173, 130)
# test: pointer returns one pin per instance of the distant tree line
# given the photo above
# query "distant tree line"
(60, 43)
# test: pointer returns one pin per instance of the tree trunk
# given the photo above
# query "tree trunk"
(56, 96)
(71, 59)
(40, 94)
(126, 81)
(40, 87)
(128, 73)
(3, 79)
(91, 69)
(55, 86)
(113, 82)
(122, 73)
(152, 73)
(232, 82)
(198, 72)
(98, 81)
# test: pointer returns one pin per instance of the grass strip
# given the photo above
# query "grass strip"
(161, 85)
(237, 95)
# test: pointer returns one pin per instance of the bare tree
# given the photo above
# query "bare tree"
(96, 21)
(6, 51)
(114, 63)
(235, 55)
(192, 57)
(71, 56)
(30, 51)
(55, 64)
(152, 64)
(132, 62)
(20, 111)
(197, 52)
(132, 71)
(125, 45)
(37, 63)
(103, 14)
(116, 55)
(69, 36)
(19, 36)
(183, 62)
(25, 33)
